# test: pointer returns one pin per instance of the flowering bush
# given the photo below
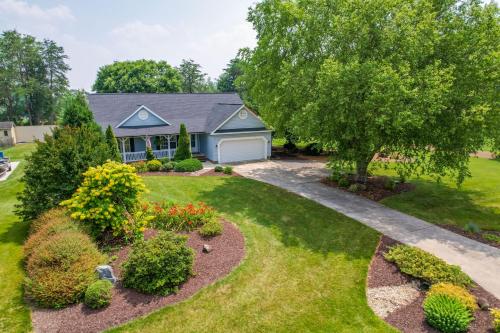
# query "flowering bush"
(175, 217)
(154, 165)
(107, 199)
(140, 166)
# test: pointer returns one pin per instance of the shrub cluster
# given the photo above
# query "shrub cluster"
(219, 168)
(98, 294)
(175, 217)
(60, 263)
(169, 166)
(106, 198)
(425, 266)
(159, 265)
(447, 313)
(140, 166)
(460, 293)
(154, 165)
(189, 165)
(228, 170)
(211, 228)
(472, 228)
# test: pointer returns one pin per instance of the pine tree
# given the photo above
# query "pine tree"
(183, 151)
(113, 145)
(149, 154)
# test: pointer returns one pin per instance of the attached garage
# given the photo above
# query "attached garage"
(242, 149)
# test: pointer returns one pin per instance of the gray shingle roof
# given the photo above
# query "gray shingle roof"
(201, 113)
(6, 124)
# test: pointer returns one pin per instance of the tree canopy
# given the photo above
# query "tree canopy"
(227, 80)
(193, 79)
(147, 76)
(74, 110)
(413, 78)
(32, 78)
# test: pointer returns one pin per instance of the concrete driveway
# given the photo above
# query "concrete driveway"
(480, 261)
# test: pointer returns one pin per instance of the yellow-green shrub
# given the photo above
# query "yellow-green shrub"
(106, 199)
(496, 319)
(460, 293)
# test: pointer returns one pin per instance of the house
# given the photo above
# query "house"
(222, 129)
(7, 133)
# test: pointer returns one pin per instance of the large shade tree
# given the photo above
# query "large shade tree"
(32, 78)
(193, 79)
(416, 78)
(146, 76)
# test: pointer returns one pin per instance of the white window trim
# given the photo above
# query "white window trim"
(245, 132)
(142, 107)
(232, 115)
(241, 138)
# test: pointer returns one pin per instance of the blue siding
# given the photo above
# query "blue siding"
(210, 150)
(236, 123)
(136, 122)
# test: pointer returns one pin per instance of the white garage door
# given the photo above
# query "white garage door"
(244, 149)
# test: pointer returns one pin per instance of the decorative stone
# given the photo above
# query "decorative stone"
(483, 303)
(207, 248)
(106, 273)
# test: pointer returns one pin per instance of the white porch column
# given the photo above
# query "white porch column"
(168, 147)
(147, 140)
(122, 141)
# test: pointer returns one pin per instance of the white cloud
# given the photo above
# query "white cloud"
(138, 36)
(24, 10)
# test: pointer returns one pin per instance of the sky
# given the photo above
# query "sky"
(95, 33)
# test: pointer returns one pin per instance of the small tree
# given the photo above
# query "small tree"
(54, 170)
(183, 151)
(114, 151)
(75, 110)
(149, 154)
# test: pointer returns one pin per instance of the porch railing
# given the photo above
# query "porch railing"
(141, 155)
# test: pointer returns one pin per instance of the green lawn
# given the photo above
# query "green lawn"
(305, 268)
(14, 315)
(477, 200)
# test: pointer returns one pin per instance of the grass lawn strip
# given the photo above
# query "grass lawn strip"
(305, 269)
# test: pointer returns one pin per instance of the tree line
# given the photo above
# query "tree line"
(34, 83)
(32, 78)
(150, 76)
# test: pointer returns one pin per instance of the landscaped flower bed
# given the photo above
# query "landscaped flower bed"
(62, 254)
(431, 292)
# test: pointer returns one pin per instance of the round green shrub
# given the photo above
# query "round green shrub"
(98, 294)
(228, 170)
(447, 313)
(211, 228)
(219, 168)
(158, 265)
(343, 182)
(154, 165)
(61, 268)
(189, 165)
(140, 166)
(169, 166)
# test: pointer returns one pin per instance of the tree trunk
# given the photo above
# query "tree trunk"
(362, 171)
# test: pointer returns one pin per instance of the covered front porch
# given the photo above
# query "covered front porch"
(133, 149)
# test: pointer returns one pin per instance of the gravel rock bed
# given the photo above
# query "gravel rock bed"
(404, 313)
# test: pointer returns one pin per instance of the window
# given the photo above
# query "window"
(193, 140)
(161, 143)
(243, 114)
(5, 133)
(173, 141)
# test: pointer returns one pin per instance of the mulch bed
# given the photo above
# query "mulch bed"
(374, 188)
(127, 304)
(475, 236)
(410, 318)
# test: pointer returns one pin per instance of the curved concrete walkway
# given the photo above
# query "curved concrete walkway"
(480, 261)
